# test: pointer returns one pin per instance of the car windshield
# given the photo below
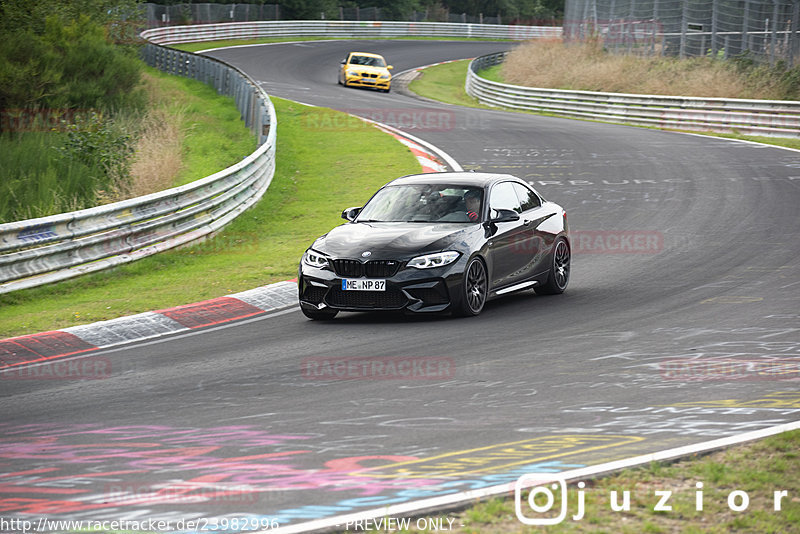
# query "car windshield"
(424, 203)
(367, 60)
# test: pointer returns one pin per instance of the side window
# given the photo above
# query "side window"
(527, 198)
(503, 197)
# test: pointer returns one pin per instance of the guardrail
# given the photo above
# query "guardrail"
(343, 29)
(776, 118)
(48, 249)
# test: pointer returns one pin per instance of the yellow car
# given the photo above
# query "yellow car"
(362, 69)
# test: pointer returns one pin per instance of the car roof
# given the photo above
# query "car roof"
(480, 179)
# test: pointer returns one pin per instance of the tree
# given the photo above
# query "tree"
(57, 55)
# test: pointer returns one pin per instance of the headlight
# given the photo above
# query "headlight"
(352, 73)
(430, 261)
(384, 76)
(315, 259)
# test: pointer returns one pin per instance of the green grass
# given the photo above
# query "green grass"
(493, 74)
(38, 181)
(321, 169)
(214, 135)
(445, 83)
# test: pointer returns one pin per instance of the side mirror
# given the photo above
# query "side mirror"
(505, 216)
(390, 67)
(350, 214)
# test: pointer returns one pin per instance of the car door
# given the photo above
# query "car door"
(507, 264)
(533, 242)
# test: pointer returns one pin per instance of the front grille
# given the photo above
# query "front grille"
(348, 267)
(389, 299)
(368, 75)
(381, 268)
(370, 269)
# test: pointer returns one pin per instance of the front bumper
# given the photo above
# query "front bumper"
(410, 289)
(361, 81)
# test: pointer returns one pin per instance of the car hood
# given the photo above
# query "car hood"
(394, 240)
(369, 68)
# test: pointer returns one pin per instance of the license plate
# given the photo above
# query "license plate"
(363, 285)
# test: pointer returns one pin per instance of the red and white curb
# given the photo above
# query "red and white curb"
(431, 157)
(46, 346)
(428, 160)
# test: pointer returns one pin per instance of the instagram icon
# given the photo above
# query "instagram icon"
(542, 499)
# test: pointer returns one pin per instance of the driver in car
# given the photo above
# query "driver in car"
(472, 198)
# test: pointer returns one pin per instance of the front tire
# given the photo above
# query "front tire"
(474, 289)
(319, 315)
(558, 278)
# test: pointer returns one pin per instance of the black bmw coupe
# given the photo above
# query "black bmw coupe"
(437, 243)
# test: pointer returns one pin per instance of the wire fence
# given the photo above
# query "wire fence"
(163, 15)
(766, 30)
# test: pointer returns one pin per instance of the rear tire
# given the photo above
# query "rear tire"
(474, 289)
(319, 315)
(558, 278)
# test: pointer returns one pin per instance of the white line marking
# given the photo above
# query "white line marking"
(436, 150)
(417, 508)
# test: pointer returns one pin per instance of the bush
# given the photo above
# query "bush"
(68, 66)
(38, 180)
(99, 142)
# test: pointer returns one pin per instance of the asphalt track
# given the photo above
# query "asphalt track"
(686, 250)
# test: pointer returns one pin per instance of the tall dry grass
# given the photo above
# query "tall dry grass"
(157, 157)
(587, 67)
